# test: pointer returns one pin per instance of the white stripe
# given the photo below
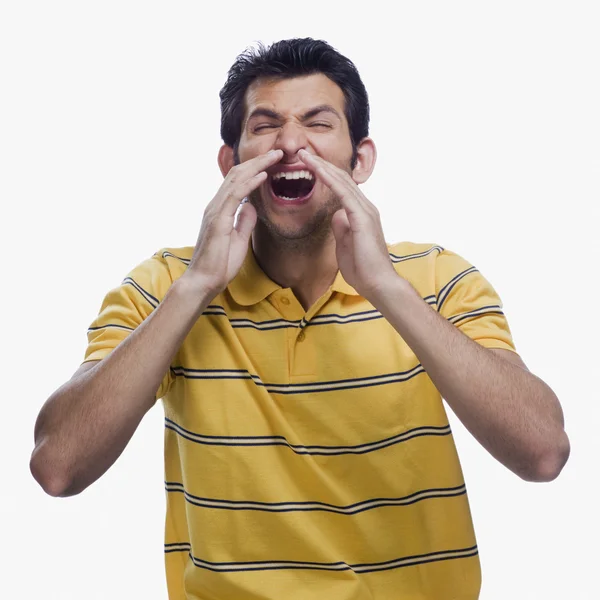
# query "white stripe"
(397, 259)
(287, 506)
(478, 311)
(325, 386)
(336, 567)
(177, 547)
(267, 440)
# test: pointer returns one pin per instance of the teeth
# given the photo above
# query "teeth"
(294, 175)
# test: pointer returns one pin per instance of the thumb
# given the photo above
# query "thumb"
(246, 220)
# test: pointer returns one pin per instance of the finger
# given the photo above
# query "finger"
(241, 190)
(227, 200)
(355, 198)
(318, 161)
(259, 163)
(333, 177)
(245, 178)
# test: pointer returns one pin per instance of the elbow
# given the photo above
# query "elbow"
(549, 464)
(47, 474)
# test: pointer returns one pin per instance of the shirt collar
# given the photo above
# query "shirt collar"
(251, 284)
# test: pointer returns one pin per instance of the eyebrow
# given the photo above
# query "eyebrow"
(266, 112)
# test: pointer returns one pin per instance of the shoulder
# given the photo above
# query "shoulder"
(414, 261)
(429, 258)
(174, 257)
(172, 261)
(152, 277)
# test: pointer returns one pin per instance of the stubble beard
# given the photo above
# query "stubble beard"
(305, 238)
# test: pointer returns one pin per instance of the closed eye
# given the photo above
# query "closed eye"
(264, 127)
(271, 125)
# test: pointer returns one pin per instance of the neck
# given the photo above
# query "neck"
(308, 266)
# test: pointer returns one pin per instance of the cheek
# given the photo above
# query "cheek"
(332, 149)
(252, 146)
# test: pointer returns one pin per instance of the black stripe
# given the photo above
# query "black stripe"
(283, 324)
(396, 258)
(418, 559)
(243, 374)
(115, 325)
(473, 552)
(145, 294)
(279, 325)
(263, 440)
(173, 548)
(177, 544)
(445, 291)
(477, 312)
(183, 260)
(320, 319)
(321, 506)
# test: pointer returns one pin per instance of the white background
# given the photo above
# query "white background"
(486, 116)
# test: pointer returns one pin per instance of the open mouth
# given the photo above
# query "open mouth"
(292, 185)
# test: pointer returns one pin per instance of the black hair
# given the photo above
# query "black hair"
(286, 59)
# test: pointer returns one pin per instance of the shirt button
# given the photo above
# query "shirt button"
(285, 300)
(301, 336)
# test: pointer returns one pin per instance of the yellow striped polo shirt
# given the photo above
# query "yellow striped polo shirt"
(308, 455)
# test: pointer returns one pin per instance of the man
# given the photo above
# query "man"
(302, 362)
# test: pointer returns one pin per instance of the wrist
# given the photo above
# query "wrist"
(393, 287)
(193, 289)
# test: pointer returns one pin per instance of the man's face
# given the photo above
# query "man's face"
(290, 114)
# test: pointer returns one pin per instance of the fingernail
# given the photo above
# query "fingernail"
(273, 152)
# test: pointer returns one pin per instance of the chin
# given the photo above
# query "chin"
(293, 230)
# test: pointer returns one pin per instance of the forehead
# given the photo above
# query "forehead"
(294, 95)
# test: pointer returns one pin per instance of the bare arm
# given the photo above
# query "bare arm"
(511, 412)
(85, 424)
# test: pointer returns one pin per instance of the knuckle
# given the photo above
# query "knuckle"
(234, 174)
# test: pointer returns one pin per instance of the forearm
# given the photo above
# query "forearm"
(510, 411)
(84, 425)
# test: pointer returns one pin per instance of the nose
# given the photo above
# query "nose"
(291, 138)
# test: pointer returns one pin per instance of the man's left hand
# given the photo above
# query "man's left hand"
(361, 250)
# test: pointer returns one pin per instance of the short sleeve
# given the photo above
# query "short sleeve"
(126, 306)
(469, 301)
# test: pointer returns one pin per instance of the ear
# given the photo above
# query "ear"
(225, 159)
(365, 160)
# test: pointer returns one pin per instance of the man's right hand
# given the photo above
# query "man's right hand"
(221, 247)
